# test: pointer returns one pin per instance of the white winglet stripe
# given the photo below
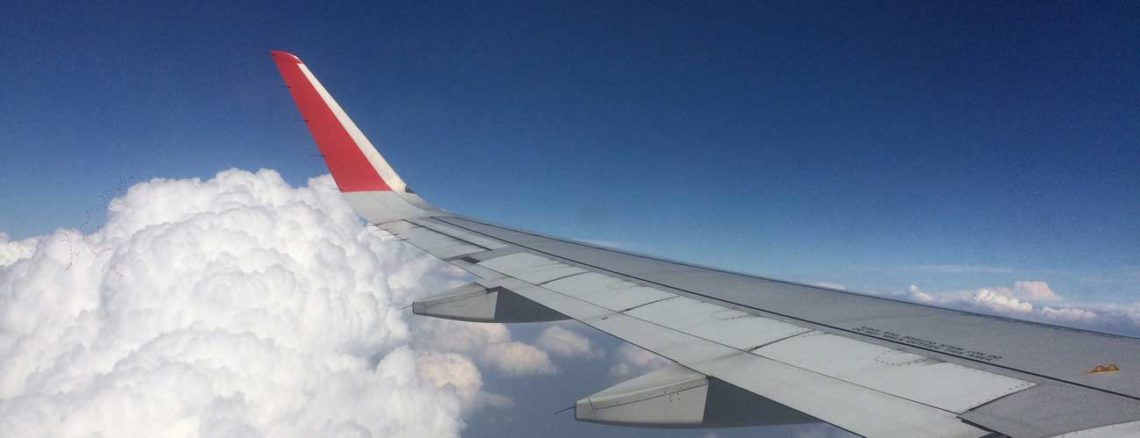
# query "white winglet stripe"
(382, 167)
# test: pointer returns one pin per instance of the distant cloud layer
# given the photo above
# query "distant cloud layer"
(11, 251)
(1035, 301)
(490, 344)
(631, 361)
(568, 343)
(240, 307)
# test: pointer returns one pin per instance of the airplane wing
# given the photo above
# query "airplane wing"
(747, 350)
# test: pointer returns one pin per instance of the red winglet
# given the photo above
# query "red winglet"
(350, 168)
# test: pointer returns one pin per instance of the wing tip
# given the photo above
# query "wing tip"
(283, 56)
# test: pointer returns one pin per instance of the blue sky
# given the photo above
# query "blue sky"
(859, 144)
(951, 145)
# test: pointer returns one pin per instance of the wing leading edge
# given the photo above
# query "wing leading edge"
(747, 350)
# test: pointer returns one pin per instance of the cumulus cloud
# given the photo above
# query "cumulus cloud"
(517, 358)
(11, 251)
(1035, 291)
(828, 285)
(234, 306)
(632, 361)
(1000, 301)
(459, 373)
(1036, 301)
(490, 343)
(567, 343)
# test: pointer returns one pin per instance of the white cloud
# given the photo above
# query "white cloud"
(1069, 314)
(632, 361)
(1000, 301)
(458, 336)
(1035, 291)
(1024, 300)
(825, 284)
(11, 251)
(567, 343)
(517, 358)
(235, 306)
(458, 373)
(915, 294)
(616, 244)
(1019, 299)
(490, 343)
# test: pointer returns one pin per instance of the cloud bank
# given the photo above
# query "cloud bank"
(1035, 301)
(568, 343)
(236, 306)
(632, 361)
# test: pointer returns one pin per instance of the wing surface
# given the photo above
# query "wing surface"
(748, 350)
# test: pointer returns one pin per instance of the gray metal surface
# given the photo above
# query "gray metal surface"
(531, 268)
(1049, 409)
(732, 328)
(1056, 359)
(435, 243)
(676, 396)
(698, 334)
(612, 293)
(672, 396)
(383, 206)
(475, 303)
(1046, 351)
(943, 385)
(853, 407)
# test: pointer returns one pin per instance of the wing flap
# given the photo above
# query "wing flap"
(1050, 409)
(931, 382)
(846, 405)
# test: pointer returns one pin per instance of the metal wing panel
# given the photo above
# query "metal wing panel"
(940, 384)
(990, 346)
(850, 406)
(970, 339)
(609, 292)
(666, 328)
(736, 329)
(1050, 409)
(531, 268)
(699, 334)
(460, 234)
(846, 405)
(436, 244)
